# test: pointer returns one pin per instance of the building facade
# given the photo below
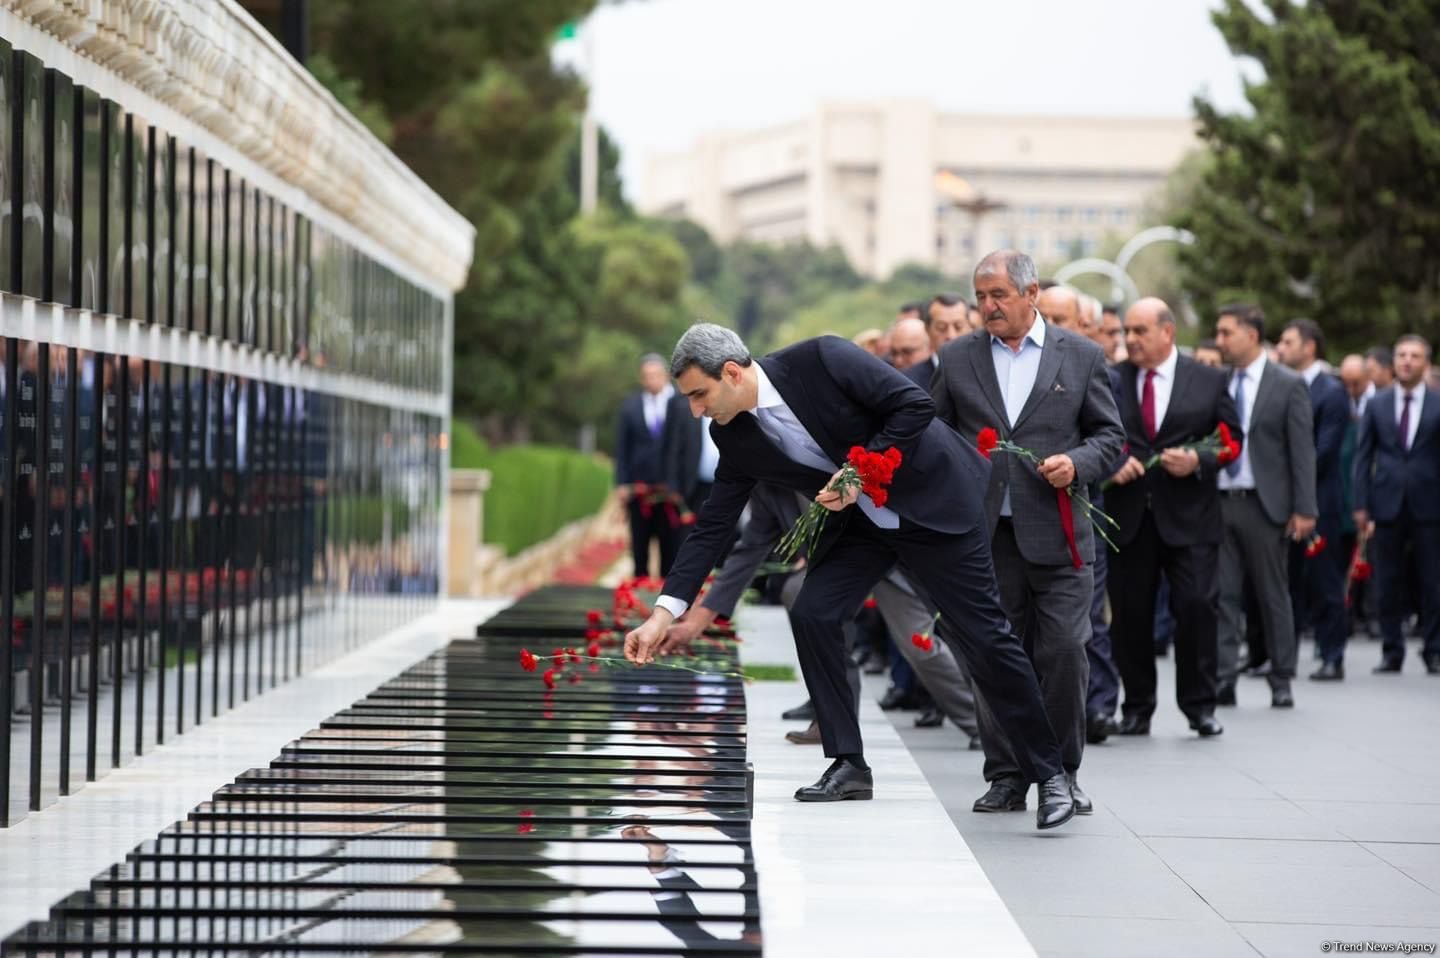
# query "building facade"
(225, 328)
(896, 182)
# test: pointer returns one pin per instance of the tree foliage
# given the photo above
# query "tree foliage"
(1325, 201)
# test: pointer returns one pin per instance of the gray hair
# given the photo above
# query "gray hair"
(649, 358)
(710, 347)
(1018, 267)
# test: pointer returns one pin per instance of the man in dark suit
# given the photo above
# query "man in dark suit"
(791, 418)
(1317, 584)
(640, 463)
(1044, 388)
(1397, 473)
(1267, 496)
(1169, 518)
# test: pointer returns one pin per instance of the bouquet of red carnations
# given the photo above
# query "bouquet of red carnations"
(868, 472)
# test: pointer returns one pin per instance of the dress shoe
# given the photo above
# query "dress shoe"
(1207, 725)
(842, 780)
(811, 735)
(974, 745)
(1100, 727)
(1257, 671)
(875, 666)
(1083, 805)
(1135, 725)
(1387, 665)
(930, 718)
(1329, 672)
(1282, 698)
(1055, 805)
(897, 698)
(1225, 693)
(1432, 664)
(1002, 797)
(800, 713)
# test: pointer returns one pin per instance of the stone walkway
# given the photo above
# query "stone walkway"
(1291, 830)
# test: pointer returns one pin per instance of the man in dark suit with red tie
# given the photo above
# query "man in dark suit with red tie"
(1397, 473)
(1169, 518)
(791, 418)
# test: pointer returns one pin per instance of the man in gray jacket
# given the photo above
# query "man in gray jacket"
(1267, 499)
(1046, 389)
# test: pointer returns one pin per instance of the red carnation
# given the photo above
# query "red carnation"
(549, 677)
(870, 602)
(594, 617)
(574, 656)
(1229, 449)
(1361, 572)
(526, 827)
(593, 650)
(592, 634)
(987, 441)
(922, 642)
(528, 660)
(558, 657)
(1314, 546)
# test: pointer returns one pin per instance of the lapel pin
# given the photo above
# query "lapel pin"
(1057, 388)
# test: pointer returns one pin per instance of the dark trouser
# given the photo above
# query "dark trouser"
(1317, 586)
(1103, 695)
(956, 571)
(643, 528)
(1134, 576)
(1058, 601)
(1255, 550)
(1388, 555)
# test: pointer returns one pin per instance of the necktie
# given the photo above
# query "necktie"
(1147, 405)
(1233, 468)
(1405, 423)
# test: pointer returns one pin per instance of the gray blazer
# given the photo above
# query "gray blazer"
(1281, 444)
(1071, 410)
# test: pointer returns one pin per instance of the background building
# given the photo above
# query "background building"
(894, 181)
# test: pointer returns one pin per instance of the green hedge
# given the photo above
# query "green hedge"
(534, 490)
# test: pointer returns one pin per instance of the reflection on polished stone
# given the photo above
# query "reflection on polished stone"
(461, 808)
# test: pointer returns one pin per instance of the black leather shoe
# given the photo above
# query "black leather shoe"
(1387, 665)
(1225, 693)
(1100, 727)
(894, 698)
(811, 735)
(1432, 664)
(1055, 805)
(841, 781)
(1207, 725)
(1282, 698)
(1002, 797)
(874, 666)
(1083, 805)
(1135, 725)
(930, 718)
(974, 745)
(800, 713)
(1329, 672)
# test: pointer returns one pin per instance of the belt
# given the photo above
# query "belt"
(1237, 493)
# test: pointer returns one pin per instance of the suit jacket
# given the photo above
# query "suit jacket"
(1070, 410)
(773, 510)
(639, 456)
(681, 442)
(1388, 477)
(844, 397)
(921, 373)
(1331, 409)
(1281, 444)
(1186, 510)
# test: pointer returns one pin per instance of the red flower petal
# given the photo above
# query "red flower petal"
(549, 677)
(528, 660)
(594, 616)
(922, 642)
(987, 440)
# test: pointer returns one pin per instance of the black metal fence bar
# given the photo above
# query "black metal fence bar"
(187, 402)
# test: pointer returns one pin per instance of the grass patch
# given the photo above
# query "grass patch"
(769, 673)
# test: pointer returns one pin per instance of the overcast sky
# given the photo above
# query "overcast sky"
(669, 70)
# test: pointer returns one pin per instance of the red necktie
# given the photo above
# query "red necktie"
(1405, 423)
(1147, 405)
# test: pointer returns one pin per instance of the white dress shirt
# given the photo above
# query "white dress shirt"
(1357, 406)
(1416, 404)
(1311, 371)
(654, 406)
(1164, 384)
(709, 455)
(1245, 477)
(1016, 372)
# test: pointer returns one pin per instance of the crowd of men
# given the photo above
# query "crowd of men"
(1121, 523)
